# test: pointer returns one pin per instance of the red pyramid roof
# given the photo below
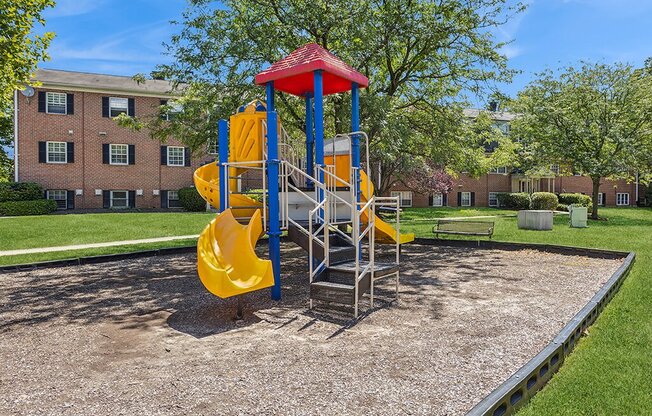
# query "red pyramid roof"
(293, 74)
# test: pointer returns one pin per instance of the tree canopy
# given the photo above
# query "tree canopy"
(421, 57)
(593, 120)
(20, 51)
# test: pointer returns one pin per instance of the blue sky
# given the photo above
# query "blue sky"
(125, 37)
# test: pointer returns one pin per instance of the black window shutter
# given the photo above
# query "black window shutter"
(431, 199)
(70, 148)
(41, 101)
(164, 116)
(132, 199)
(42, 152)
(472, 199)
(71, 200)
(164, 155)
(105, 153)
(131, 109)
(444, 200)
(70, 104)
(132, 154)
(164, 199)
(604, 199)
(106, 199)
(459, 199)
(105, 106)
(186, 156)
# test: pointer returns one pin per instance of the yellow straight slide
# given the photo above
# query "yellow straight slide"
(226, 260)
(385, 233)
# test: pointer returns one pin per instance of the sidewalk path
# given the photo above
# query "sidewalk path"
(94, 245)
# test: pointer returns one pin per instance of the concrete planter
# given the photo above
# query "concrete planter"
(535, 220)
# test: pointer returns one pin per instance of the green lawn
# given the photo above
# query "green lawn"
(63, 230)
(610, 372)
(410, 214)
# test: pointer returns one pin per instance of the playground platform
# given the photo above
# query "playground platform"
(141, 337)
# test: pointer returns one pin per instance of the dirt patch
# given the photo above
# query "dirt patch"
(144, 337)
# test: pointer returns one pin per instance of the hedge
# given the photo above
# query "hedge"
(544, 200)
(576, 199)
(518, 200)
(190, 200)
(20, 191)
(34, 207)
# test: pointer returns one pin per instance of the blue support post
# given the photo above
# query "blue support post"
(355, 140)
(319, 125)
(310, 140)
(223, 144)
(274, 228)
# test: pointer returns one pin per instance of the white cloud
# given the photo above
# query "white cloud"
(65, 8)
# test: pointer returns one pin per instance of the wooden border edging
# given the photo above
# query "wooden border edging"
(518, 389)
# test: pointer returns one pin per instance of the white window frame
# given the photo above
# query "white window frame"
(498, 170)
(170, 193)
(402, 196)
(554, 168)
(438, 199)
(183, 156)
(111, 147)
(49, 94)
(462, 204)
(622, 199)
(48, 152)
(51, 193)
(126, 199)
(495, 198)
(175, 108)
(112, 107)
(600, 199)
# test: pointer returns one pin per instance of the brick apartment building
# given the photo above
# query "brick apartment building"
(66, 140)
(482, 191)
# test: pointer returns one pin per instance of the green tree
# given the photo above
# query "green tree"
(421, 58)
(594, 119)
(20, 52)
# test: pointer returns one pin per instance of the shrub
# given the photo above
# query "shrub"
(190, 200)
(562, 207)
(544, 200)
(518, 200)
(579, 199)
(20, 191)
(34, 207)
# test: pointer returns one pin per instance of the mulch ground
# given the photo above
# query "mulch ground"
(144, 337)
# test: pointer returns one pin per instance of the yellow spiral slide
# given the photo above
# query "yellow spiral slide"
(226, 259)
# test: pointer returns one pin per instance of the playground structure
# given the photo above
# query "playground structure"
(318, 193)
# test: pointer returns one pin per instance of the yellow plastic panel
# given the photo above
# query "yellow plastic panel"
(208, 185)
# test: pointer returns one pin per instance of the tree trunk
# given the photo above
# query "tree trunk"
(596, 192)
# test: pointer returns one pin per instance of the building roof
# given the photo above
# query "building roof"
(496, 115)
(293, 74)
(85, 81)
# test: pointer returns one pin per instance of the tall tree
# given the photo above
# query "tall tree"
(20, 51)
(594, 119)
(421, 57)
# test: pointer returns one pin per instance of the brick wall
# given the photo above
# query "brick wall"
(88, 130)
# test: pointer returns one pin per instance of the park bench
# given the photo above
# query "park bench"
(464, 227)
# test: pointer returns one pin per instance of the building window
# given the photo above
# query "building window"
(55, 102)
(173, 110)
(501, 170)
(173, 199)
(503, 127)
(119, 199)
(59, 196)
(57, 152)
(405, 197)
(118, 106)
(493, 199)
(600, 199)
(176, 156)
(437, 200)
(554, 169)
(622, 199)
(119, 154)
(466, 199)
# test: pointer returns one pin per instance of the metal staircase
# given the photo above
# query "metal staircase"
(322, 215)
